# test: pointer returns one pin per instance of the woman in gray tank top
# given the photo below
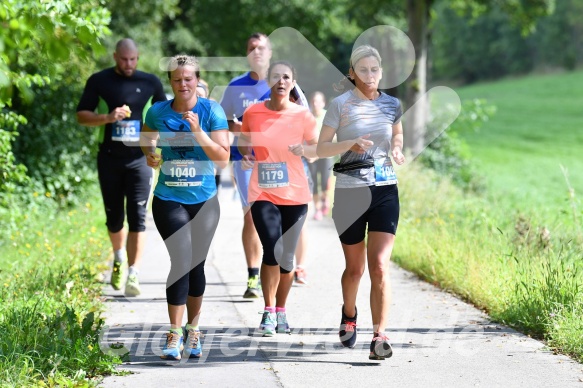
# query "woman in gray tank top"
(367, 126)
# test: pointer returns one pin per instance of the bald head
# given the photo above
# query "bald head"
(126, 57)
(126, 44)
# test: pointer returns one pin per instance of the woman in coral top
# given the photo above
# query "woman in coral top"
(274, 137)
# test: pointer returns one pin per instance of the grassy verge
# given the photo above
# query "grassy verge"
(51, 303)
(535, 132)
(495, 257)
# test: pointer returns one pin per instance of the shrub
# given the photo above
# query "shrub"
(12, 174)
(59, 153)
(448, 154)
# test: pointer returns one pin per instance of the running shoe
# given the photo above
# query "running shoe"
(173, 347)
(318, 215)
(193, 346)
(300, 276)
(282, 325)
(325, 209)
(347, 330)
(268, 323)
(132, 286)
(117, 274)
(253, 288)
(380, 348)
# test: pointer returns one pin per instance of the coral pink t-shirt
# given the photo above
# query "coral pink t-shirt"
(278, 175)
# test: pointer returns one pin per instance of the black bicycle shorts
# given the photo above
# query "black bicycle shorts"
(356, 208)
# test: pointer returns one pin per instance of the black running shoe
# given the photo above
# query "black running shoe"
(347, 330)
(380, 348)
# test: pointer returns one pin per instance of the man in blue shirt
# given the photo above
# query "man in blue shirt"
(243, 91)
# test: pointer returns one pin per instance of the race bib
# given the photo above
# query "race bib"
(384, 172)
(272, 175)
(181, 173)
(126, 130)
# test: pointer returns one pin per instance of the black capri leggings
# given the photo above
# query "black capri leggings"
(278, 227)
(121, 178)
(187, 231)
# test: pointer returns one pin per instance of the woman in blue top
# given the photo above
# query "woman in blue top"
(193, 134)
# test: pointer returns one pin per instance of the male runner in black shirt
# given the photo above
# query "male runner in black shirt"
(122, 95)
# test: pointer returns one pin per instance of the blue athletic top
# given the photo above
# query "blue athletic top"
(187, 174)
(242, 92)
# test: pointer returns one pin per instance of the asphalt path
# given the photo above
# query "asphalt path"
(438, 340)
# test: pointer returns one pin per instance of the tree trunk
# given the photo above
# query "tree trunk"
(415, 125)
(390, 67)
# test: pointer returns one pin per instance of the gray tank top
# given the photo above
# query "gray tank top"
(352, 117)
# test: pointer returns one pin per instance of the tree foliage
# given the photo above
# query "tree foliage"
(141, 21)
(47, 47)
(40, 41)
(220, 28)
(523, 13)
(496, 45)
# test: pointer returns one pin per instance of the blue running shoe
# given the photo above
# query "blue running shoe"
(347, 330)
(282, 325)
(267, 326)
(193, 348)
(173, 347)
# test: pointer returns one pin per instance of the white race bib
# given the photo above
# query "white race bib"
(181, 173)
(126, 130)
(272, 175)
(384, 172)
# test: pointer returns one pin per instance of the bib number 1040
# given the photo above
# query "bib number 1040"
(179, 172)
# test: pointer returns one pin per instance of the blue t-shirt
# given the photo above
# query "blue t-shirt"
(242, 92)
(187, 174)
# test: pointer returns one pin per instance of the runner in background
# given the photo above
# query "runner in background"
(300, 272)
(242, 92)
(122, 95)
(320, 168)
(202, 90)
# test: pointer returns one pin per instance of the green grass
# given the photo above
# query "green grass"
(516, 249)
(478, 250)
(536, 129)
(51, 299)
